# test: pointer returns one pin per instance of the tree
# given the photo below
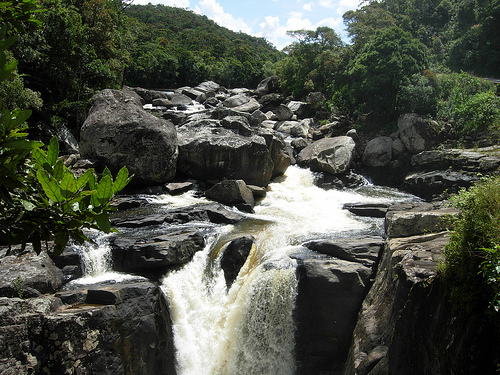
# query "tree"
(375, 76)
(311, 62)
(40, 198)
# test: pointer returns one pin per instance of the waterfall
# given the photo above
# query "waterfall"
(249, 329)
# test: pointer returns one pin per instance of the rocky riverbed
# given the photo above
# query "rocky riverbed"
(359, 297)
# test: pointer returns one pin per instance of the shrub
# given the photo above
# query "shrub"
(481, 112)
(476, 229)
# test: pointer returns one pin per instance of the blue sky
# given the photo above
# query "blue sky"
(270, 19)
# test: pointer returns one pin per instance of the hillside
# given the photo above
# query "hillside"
(176, 47)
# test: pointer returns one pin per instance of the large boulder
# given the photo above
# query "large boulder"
(242, 103)
(294, 128)
(156, 254)
(407, 265)
(330, 155)
(418, 133)
(267, 86)
(118, 132)
(378, 152)
(208, 151)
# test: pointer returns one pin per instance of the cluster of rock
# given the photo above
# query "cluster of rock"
(358, 297)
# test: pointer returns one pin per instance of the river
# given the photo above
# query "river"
(249, 328)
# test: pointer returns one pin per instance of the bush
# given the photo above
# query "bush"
(477, 229)
(470, 101)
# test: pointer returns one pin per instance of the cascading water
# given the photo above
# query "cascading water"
(249, 329)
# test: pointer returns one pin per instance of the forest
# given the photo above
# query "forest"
(403, 56)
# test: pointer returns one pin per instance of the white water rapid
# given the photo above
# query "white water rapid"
(250, 328)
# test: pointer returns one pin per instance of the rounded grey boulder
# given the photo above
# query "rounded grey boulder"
(118, 132)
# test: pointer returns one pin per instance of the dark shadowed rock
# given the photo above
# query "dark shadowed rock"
(284, 113)
(330, 155)
(234, 256)
(147, 95)
(364, 250)
(378, 152)
(179, 247)
(118, 132)
(330, 295)
(267, 86)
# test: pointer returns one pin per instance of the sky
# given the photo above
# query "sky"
(270, 19)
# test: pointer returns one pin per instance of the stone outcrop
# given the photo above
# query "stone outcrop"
(156, 254)
(25, 274)
(209, 151)
(128, 333)
(330, 155)
(119, 132)
(378, 152)
(331, 291)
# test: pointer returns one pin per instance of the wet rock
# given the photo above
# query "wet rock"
(119, 132)
(179, 99)
(234, 256)
(126, 203)
(331, 155)
(232, 193)
(367, 209)
(157, 254)
(163, 102)
(26, 274)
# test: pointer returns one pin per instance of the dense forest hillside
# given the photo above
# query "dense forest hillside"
(403, 56)
(176, 47)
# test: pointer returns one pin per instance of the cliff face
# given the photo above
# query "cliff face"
(407, 324)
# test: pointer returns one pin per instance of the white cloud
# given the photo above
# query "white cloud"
(213, 10)
(307, 7)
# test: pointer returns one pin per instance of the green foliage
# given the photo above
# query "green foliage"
(40, 198)
(471, 102)
(312, 62)
(375, 76)
(176, 47)
(477, 228)
(490, 269)
(420, 95)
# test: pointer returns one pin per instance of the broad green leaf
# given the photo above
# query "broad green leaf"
(105, 189)
(68, 185)
(60, 241)
(103, 222)
(121, 180)
(20, 144)
(40, 156)
(53, 151)
(58, 171)
(83, 179)
(20, 118)
(106, 172)
(49, 186)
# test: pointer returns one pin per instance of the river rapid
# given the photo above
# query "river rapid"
(249, 328)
